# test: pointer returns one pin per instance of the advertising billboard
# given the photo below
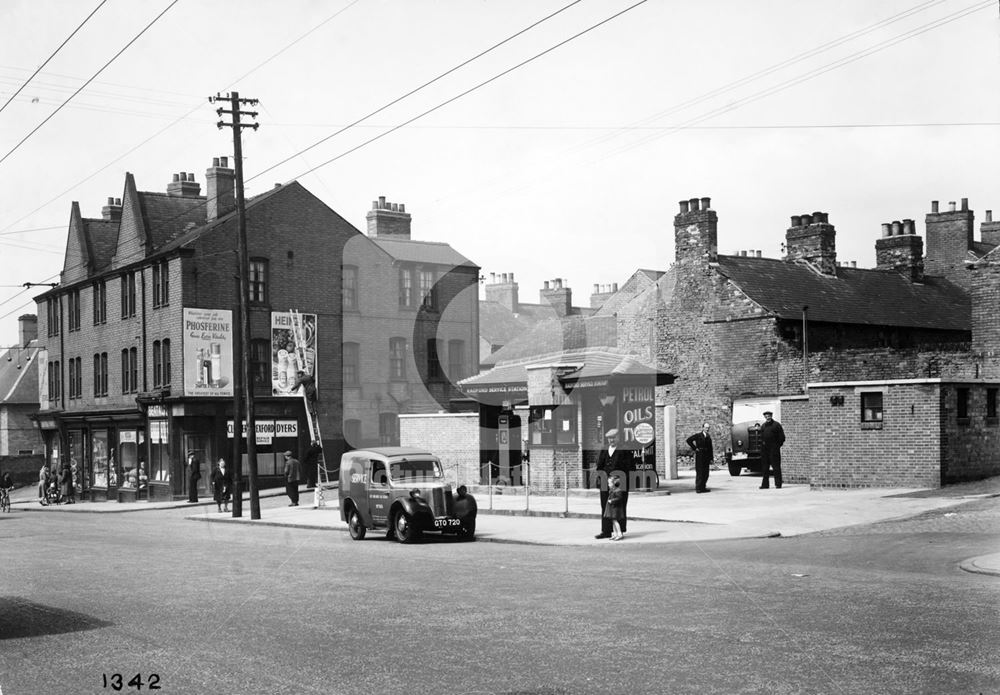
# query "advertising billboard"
(290, 354)
(208, 352)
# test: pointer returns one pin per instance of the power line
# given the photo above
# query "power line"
(89, 80)
(53, 55)
(425, 84)
(470, 90)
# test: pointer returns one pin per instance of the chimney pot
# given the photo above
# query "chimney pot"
(597, 289)
(989, 215)
(512, 277)
(759, 253)
(402, 207)
(951, 206)
(694, 204)
(908, 226)
(118, 201)
(854, 264)
(381, 202)
(493, 278)
(706, 203)
(215, 161)
(177, 177)
(503, 277)
(395, 207)
(965, 204)
(897, 228)
(743, 253)
(807, 220)
(545, 285)
(374, 205)
(818, 217)
(614, 286)
(934, 206)
(796, 220)
(886, 229)
(111, 201)
(685, 206)
(224, 162)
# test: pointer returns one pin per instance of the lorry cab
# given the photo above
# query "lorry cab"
(744, 449)
(401, 489)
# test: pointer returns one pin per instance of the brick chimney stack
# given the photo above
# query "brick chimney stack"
(949, 239)
(557, 296)
(112, 212)
(901, 249)
(184, 186)
(812, 238)
(388, 220)
(601, 294)
(27, 328)
(989, 231)
(220, 189)
(696, 233)
(502, 289)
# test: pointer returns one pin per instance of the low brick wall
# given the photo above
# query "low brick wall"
(796, 454)
(23, 469)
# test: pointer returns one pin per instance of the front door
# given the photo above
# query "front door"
(201, 445)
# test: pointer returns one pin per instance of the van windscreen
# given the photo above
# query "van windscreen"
(415, 470)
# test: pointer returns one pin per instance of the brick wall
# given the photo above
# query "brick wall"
(970, 447)
(985, 288)
(949, 238)
(452, 437)
(796, 454)
(17, 432)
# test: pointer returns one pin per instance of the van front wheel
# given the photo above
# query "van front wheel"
(355, 526)
(406, 532)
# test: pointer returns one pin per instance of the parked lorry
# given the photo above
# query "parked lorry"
(744, 448)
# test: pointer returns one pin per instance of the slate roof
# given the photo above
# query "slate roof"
(412, 251)
(854, 296)
(103, 237)
(591, 363)
(19, 385)
(168, 216)
(497, 325)
(573, 332)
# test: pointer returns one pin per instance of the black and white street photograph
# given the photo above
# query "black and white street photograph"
(296, 395)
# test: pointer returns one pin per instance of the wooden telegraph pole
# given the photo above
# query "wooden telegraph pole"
(244, 276)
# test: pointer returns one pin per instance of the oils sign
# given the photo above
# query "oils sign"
(638, 421)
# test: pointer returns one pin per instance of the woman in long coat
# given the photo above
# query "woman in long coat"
(221, 483)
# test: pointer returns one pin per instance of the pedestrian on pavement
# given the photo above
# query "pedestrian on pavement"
(221, 482)
(194, 475)
(701, 445)
(772, 436)
(466, 509)
(311, 463)
(293, 474)
(43, 482)
(612, 459)
(614, 511)
(66, 484)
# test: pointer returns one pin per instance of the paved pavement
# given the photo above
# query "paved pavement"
(735, 508)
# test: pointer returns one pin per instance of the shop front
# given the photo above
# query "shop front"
(543, 422)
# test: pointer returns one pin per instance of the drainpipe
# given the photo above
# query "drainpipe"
(805, 347)
(145, 376)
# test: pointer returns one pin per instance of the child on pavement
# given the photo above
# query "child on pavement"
(615, 510)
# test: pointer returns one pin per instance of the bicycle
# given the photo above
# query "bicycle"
(4, 500)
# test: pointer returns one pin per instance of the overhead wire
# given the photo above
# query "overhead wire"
(53, 55)
(89, 80)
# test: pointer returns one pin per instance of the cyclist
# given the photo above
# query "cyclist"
(6, 485)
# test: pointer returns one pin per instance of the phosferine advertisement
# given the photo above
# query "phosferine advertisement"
(208, 352)
(293, 349)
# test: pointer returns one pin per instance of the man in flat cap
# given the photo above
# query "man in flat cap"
(772, 436)
(293, 474)
(613, 458)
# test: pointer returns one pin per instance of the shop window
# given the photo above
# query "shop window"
(397, 358)
(388, 429)
(456, 359)
(77, 459)
(131, 445)
(352, 356)
(258, 281)
(991, 406)
(349, 287)
(101, 461)
(962, 406)
(159, 459)
(871, 409)
(549, 426)
(100, 302)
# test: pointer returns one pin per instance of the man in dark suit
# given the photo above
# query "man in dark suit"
(772, 436)
(701, 444)
(613, 458)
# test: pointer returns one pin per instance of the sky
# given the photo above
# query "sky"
(560, 153)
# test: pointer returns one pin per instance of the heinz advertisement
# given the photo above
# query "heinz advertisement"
(293, 349)
(208, 352)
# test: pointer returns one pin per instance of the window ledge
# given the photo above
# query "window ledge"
(963, 421)
(993, 421)
(871, 425)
